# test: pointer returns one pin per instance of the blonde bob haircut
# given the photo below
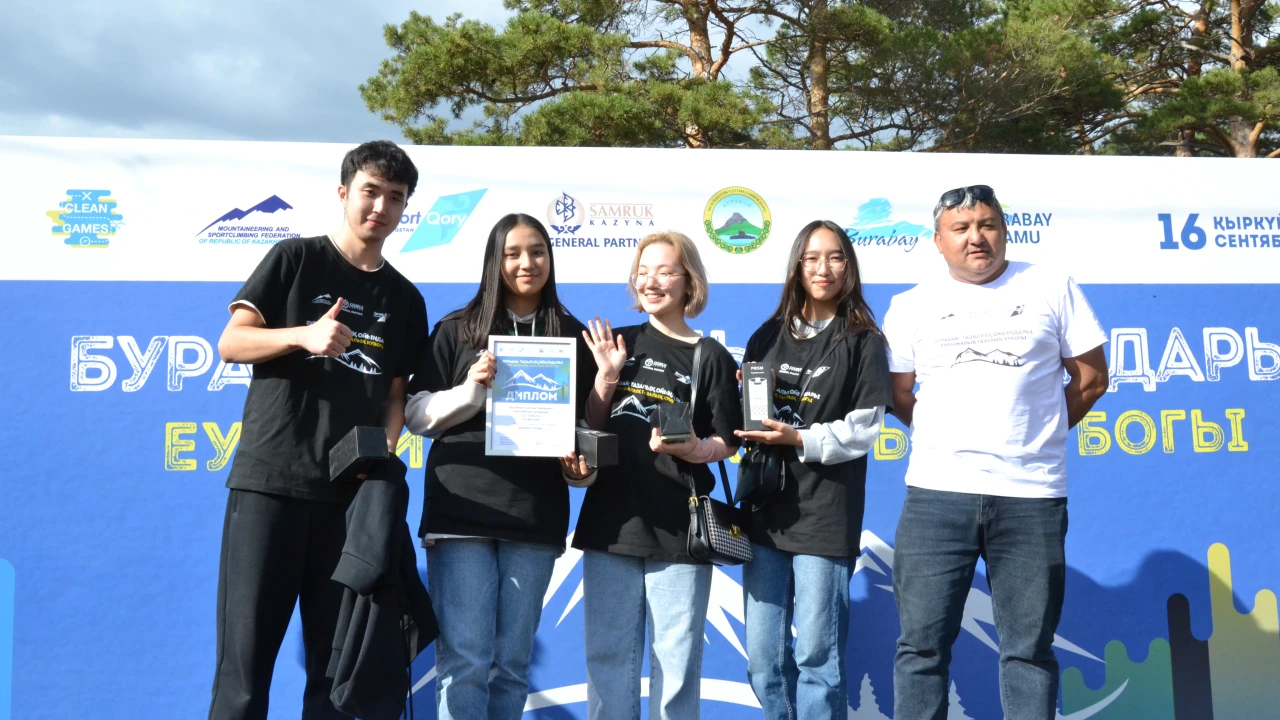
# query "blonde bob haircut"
(696, 297)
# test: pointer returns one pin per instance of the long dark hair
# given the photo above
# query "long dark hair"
(486, 313)
(850, 305)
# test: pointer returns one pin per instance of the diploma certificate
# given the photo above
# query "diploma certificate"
(530, 407)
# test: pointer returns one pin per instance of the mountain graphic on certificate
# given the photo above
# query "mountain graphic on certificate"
(537, 382)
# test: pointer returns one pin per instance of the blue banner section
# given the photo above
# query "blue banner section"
(121, 423)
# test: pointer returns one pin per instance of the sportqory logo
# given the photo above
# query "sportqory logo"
(86, 219)
(440, 224)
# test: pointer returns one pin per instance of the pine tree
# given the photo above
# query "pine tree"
(867, 707)
(955, 710)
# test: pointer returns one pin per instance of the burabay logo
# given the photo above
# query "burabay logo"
(439, 225)
(874, 226)
(737, 220)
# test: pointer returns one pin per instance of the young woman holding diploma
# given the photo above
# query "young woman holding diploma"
(823, 343)
(633, 524)
(492, 525)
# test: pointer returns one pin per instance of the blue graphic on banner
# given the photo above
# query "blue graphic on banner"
(86, 219)
(440, 224)
(1176, 459)
(6, 638)
(873, 225)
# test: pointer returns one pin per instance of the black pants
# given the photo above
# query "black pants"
(275, 551)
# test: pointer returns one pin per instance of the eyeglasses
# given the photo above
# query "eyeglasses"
(835, 262)
(981, 193)
(664, 279)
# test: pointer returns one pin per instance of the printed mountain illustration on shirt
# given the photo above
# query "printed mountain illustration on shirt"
(537, 382)
(995, 357)
(738, 228)
(268, 206)
(357, 360)
(786, 415)
(632, 406)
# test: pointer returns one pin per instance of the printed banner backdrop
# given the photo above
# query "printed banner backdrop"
(120, 422)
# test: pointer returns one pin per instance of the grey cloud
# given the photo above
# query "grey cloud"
(238, 69)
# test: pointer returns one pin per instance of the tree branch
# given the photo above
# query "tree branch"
(1274, 154)
(1215, 55)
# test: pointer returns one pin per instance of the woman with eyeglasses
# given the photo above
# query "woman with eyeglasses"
(633, 524)
(493, 526)
(832, 386)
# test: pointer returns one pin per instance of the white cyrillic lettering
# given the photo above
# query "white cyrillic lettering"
(1214, 361)
(142, 363)
(179, 368)
(1141, 372)
(1258, 352)
(91, 373)
(230, 374)
(1178, 359)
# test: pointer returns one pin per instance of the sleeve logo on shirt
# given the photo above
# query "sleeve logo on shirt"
(380, 316)
(682, 378)
(995, 357)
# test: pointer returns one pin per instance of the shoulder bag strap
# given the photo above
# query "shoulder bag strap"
(693, 411)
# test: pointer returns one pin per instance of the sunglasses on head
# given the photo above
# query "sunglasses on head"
(981, 193)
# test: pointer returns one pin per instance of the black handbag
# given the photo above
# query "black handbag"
(717, 530)
(762, 474)
(762, 469)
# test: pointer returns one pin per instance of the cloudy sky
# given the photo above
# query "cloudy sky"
(200, 69)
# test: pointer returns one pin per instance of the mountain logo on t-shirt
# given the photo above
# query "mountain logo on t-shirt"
(537, 382)
(632, 406)
(682, 378)
(356, 360)
(325, 299)
(786, 415)
(995, 357)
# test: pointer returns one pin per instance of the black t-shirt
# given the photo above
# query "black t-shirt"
(524, 499)
(820, 510)
(641, 506)
(299, 405)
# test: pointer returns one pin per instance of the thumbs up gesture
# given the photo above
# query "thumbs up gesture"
(327, 336)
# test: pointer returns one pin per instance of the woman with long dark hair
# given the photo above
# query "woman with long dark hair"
(831, 391)
(633, 526)
(493, 526)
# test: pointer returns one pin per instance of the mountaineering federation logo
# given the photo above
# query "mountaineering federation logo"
(236, 227)
(442, 222)
(86, 219)
(737, 220)
(564, 215)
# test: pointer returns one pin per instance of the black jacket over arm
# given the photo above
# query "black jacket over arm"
(386, 617)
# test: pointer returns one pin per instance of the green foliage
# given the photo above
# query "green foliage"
(1028, 76)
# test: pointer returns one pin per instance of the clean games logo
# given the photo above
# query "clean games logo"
(86, 219)
(440, 224)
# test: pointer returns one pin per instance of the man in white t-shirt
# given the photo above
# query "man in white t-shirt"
(987, 475)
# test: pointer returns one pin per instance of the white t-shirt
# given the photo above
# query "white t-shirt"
(990, 414)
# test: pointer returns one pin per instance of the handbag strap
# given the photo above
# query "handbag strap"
(693, 412)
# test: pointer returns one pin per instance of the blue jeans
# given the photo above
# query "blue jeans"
(940, 537)
(813, 591)
(487, 595)
(621, 596)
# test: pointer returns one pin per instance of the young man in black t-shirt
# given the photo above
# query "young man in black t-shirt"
(333, 333)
